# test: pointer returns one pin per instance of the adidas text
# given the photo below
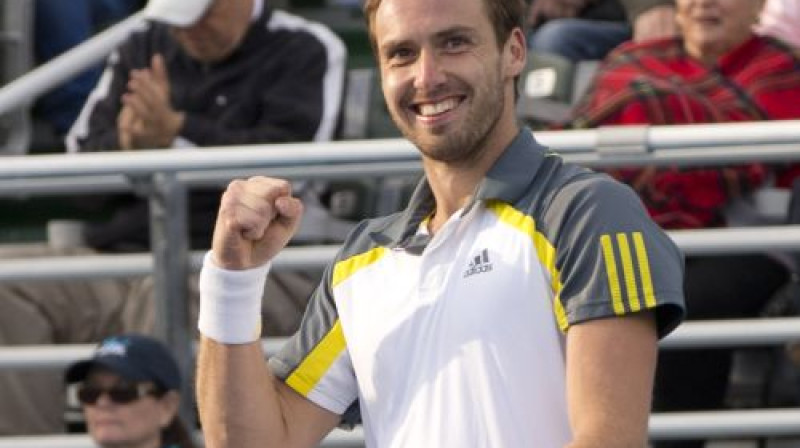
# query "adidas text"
(479, 264)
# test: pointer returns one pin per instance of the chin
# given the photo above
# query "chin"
(208, 55)
(104, 438)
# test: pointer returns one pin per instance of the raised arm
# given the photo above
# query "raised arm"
(610, 367)
(241, 403)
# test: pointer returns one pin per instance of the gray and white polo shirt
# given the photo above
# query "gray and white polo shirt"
(458, 339)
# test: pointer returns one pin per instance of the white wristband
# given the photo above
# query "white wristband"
(230, 302)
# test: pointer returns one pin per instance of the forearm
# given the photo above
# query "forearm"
(241, 402)
(237, 397)
(614, 440)
(236, 392)
(611, 364)
(618, 435)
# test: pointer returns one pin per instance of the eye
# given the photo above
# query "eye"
(399, 55)
(455, 43)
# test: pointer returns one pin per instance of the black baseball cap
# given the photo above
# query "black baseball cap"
(134, 357)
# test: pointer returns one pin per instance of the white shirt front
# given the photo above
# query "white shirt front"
(434, 341)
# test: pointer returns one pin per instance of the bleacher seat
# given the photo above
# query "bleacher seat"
(550, 86)
(365, 115)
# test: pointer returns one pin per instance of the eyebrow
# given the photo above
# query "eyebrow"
(439, 35)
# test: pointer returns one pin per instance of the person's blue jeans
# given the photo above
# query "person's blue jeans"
(60, 25)
(578, 39)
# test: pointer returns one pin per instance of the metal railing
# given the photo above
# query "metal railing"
(164, 176)
(336, 439)
(714, 424)
(67, 65)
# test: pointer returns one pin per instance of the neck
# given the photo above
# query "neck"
(454, 184)
(711, 54)
(706, 57)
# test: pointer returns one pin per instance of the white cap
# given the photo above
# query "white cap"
(176, 12)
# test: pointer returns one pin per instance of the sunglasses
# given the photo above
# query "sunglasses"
(118, 394)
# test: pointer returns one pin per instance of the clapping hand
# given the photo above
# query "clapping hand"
(147, 119)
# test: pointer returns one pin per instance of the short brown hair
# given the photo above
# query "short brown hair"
(505, 15)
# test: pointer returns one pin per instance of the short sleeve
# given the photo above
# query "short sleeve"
(315, 361)
(612, 259)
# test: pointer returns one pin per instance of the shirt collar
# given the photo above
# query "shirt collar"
(511, 175)
(507, 181)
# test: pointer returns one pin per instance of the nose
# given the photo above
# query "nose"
(429, 71)
(704, 3)
(104, 400)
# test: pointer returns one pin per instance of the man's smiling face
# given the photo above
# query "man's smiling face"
(443, 74)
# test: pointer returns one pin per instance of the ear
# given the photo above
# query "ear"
(516, 53)
(168, 408)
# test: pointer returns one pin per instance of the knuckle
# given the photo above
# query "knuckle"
(235, 185)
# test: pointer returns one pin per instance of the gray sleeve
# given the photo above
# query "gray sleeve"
(319, 317)
(308, 363)
(318, 321)
(612, 258)
(635, 7)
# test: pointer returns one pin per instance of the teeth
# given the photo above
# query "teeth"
(428, 109)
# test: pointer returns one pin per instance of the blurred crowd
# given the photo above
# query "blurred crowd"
(199, 74)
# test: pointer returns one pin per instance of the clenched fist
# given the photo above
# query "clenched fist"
(256, 219)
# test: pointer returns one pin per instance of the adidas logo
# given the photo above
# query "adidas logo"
(479, 264)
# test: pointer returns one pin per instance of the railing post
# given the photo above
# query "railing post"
(170, 247)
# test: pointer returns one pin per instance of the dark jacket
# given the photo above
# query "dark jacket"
(283, 83)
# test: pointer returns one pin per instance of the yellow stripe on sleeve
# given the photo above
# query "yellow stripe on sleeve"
(311, 370)
(611, 272)
(644, 270)
(350, 266)
(314, 366)
(628, 272)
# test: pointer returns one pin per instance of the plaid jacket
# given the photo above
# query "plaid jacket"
(658, 83)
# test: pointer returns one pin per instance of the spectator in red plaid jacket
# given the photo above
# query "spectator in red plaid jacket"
(716, 70)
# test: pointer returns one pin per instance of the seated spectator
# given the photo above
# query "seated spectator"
(717, 70)
(209, 73)
(588, 29)
(781, 20)
(59, 26)
(129, 391)
(192, 79)
(198, 73)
